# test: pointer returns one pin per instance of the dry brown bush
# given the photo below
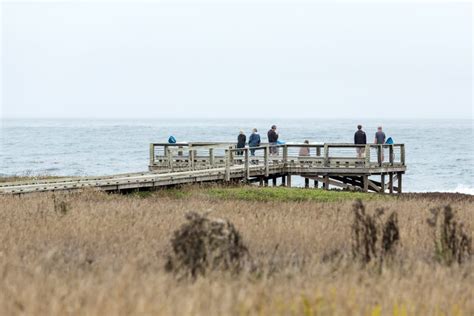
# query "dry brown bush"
(452, 244)
(106, 256)
(206, 244)
(372, 237)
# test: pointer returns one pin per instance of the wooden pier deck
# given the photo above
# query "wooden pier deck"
(376, 168)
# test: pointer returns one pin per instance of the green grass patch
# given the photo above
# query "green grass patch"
(282, 194)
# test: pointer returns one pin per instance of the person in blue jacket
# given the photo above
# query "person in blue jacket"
(254, 141)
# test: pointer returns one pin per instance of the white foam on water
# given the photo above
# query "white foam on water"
(462, 188)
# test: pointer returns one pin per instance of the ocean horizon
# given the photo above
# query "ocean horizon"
(439, 152)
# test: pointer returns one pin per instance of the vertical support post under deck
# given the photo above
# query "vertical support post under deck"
(382, 183)
(274, 181)
(306, 182)
(326, 182)
(283, 180)
(288, 178)
(365, 183)
(316, 183)
(399, 177)
(390, 185)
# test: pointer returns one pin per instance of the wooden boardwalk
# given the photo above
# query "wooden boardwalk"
(377, 168)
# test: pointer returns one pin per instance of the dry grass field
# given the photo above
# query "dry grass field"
(92, 253)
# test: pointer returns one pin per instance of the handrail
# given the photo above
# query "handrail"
(191, 155)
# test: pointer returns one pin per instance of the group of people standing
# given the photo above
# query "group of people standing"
(360, 138)
(255, 140)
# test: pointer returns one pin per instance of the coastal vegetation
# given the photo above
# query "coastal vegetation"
(298, 252)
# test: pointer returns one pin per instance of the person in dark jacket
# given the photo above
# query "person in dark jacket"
(360, 139)
(272, 140)
(241, 139)
(379, 136)
(254, 141)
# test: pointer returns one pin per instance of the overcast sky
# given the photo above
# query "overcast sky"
(203, 59)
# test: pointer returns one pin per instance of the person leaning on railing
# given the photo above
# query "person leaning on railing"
(304, 151)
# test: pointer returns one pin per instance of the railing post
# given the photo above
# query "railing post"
(231, 154)
(227, 165)
(191, 158)
(285, 156)
(265, 159)
(367, 155)
(152, 154)
(211, 157)
(379, 154)
(165, 154)
(247, 164)
(169, 156)
(391, 155)
(402, 154)
(326, 155)
(318, 151)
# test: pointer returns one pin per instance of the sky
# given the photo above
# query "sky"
(201, 59)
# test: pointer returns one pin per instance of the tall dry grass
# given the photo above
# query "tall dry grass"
(98, 254)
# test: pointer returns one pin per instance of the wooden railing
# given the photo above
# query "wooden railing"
(193, 156)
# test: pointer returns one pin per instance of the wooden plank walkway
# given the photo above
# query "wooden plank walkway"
(345, 166)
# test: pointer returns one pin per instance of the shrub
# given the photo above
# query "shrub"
(373, 238)
(203, 244)
(451, 242)
(61, 207)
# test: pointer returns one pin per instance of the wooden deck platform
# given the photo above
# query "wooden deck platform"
(377, 168)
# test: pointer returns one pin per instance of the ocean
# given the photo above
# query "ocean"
(439, 153)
